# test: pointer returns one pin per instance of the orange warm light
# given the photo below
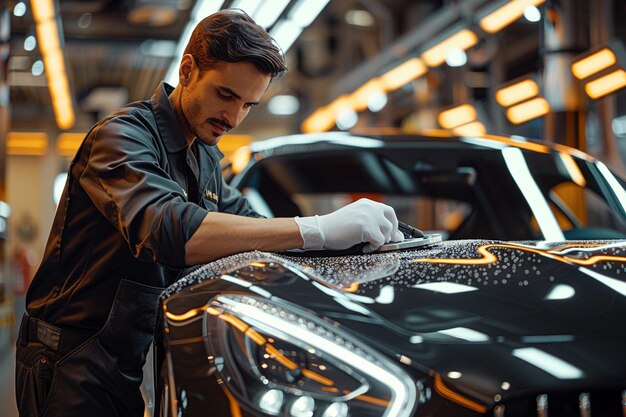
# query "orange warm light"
(362, 94)
(324, 118)
(279, 357)
(237, 323)
(341, 103)
(455, 397)
(68, 143)
(256, 337)
(439, 133)
(317, 377)
(457, 116)
(531, 146)
(528, 110)
(240, 158)
(505, 15)
(27, 143)
(185, 316)
(607, 84)
(593, 63)
(231, 142)
(463, 40)
(517, 92)
(320, 120)
(404, 73)
(49, 40)
(489, 258)
(372, 400)
(471, 129)
(235, 409)
(42, 9)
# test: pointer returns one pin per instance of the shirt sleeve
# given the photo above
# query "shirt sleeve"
(126, 180)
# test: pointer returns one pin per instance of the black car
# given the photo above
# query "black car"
(461, 328)
(506, 317)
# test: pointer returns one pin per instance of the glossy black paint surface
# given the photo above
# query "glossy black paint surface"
(564, 301)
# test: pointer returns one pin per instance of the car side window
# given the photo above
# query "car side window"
(582, 213)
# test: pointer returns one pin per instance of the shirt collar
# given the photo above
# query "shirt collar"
(168, 123)
(166, 119)
(213, 151)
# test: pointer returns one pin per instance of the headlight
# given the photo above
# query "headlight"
(283, 361)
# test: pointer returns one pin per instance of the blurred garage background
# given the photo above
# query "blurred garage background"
(552, 70)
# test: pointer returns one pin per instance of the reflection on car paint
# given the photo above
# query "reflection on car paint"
(348, 272)
(572, 168)
(618, 190)
(453, 396)
(519, 142)
(518, 168)
(488, 257)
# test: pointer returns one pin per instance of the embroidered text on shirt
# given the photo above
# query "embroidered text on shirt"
(211, 196)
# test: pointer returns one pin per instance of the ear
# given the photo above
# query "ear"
(185, 71)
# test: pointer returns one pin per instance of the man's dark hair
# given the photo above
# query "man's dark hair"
(232, 36)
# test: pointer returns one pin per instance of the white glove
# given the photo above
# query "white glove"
(362, 221)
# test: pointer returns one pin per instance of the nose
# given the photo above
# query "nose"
(234, 114)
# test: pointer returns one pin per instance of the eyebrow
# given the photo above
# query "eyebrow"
(237, 96)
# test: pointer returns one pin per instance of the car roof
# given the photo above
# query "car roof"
(382, 138)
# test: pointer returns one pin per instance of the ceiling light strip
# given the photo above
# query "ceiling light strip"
(27, 143)
(528, 110)
(269, 11)
(463, 40)
(593, 63)
(506, 14)
(67, 143)
(304, 12)
(202, 9)
(49, 40)
(606, 84)
(517, 92)
(457, 116)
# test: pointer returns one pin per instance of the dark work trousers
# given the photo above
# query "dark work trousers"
(62, 373)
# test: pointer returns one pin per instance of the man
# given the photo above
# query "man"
(144, 199)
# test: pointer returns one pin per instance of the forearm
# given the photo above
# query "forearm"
(223, 234)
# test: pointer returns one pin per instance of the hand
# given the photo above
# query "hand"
(362, 221)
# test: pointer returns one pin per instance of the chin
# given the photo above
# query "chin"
(210, 140)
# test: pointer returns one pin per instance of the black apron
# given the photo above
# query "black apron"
(99, 377)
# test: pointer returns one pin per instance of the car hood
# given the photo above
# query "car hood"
(492, 319)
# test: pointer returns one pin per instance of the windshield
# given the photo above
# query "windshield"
(458, 191)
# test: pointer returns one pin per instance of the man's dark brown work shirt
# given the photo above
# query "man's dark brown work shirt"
(126, 213)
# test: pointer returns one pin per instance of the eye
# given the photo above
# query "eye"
(250, 105)
(224, 95)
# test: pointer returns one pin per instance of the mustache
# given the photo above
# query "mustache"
(221, 122)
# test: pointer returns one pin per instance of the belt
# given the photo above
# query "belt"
(60, 340)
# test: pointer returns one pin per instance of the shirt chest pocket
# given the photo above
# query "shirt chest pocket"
(209, 197)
